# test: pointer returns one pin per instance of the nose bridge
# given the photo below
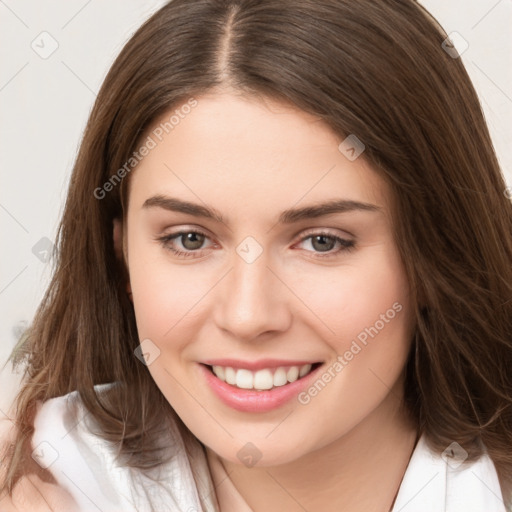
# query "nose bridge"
(251, 300)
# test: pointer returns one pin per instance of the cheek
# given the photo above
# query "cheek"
(167, 300)
(165, 295)
(368, 314)
(354, 302)
(374, 328)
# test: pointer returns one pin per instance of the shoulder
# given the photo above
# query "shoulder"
(34, 494)
(435, 481)
(68, 468)
(67, 444)
(36, 490)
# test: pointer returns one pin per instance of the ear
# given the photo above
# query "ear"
(120, 250)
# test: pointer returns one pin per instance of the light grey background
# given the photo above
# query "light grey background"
(45, 101)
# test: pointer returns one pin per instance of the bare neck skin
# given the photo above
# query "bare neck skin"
(360, 472)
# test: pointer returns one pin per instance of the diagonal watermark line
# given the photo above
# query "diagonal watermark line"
(390, 389)
(216, 486)
(284, 489)
(78, 77)
(3, 3)
(490, 490)
(88, 497)
(14, 76)
(197, 302)
(13, 218)
(13, 279)
(76, 14)
(5, 414)
(192, 191)
(492, 81)
(301, 300)
(486, 14)
(76, 424)
(307, 192)
(199, 403)
(413, 497)
(279, 424)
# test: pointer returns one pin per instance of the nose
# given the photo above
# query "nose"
(252, 300)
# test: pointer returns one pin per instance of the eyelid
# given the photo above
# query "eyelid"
(299, 237)
(183, 231)
(347, 244)
(326, 231)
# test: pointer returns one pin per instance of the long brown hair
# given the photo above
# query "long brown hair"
(374, 69)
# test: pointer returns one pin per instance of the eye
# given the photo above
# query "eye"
(324, 242)
(190, 240)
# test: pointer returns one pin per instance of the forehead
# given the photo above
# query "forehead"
(232, 151)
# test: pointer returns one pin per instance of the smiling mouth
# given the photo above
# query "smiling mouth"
(262, 380)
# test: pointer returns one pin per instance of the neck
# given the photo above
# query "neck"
(360, 472)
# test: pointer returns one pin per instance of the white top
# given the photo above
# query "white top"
(84, 465)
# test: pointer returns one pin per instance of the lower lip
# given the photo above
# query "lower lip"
(250, 400)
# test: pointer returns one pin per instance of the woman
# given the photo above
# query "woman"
(283, 279)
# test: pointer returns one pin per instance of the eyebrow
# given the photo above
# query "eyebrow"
(287, 216)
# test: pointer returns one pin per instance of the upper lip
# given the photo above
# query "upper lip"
(256, 365)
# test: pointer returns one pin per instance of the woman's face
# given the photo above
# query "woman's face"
(265, 281)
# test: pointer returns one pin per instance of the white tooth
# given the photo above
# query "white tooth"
(293, 374)
(305, 369)
(280, 377)
(263, 379)
(219, 371)
(244, 379)
(230, 375)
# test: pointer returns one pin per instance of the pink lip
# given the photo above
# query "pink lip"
(250, 400)
(255, 365)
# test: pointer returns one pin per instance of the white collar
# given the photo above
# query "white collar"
(85, 465)
(439, 482)
(432, 483)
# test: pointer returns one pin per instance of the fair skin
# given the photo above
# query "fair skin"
(348, 447)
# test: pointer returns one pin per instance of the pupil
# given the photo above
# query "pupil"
(322, 245)
(189, 238)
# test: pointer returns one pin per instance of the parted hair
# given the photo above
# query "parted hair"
(377, 70)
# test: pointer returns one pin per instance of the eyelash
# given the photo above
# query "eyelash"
(346, 245)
